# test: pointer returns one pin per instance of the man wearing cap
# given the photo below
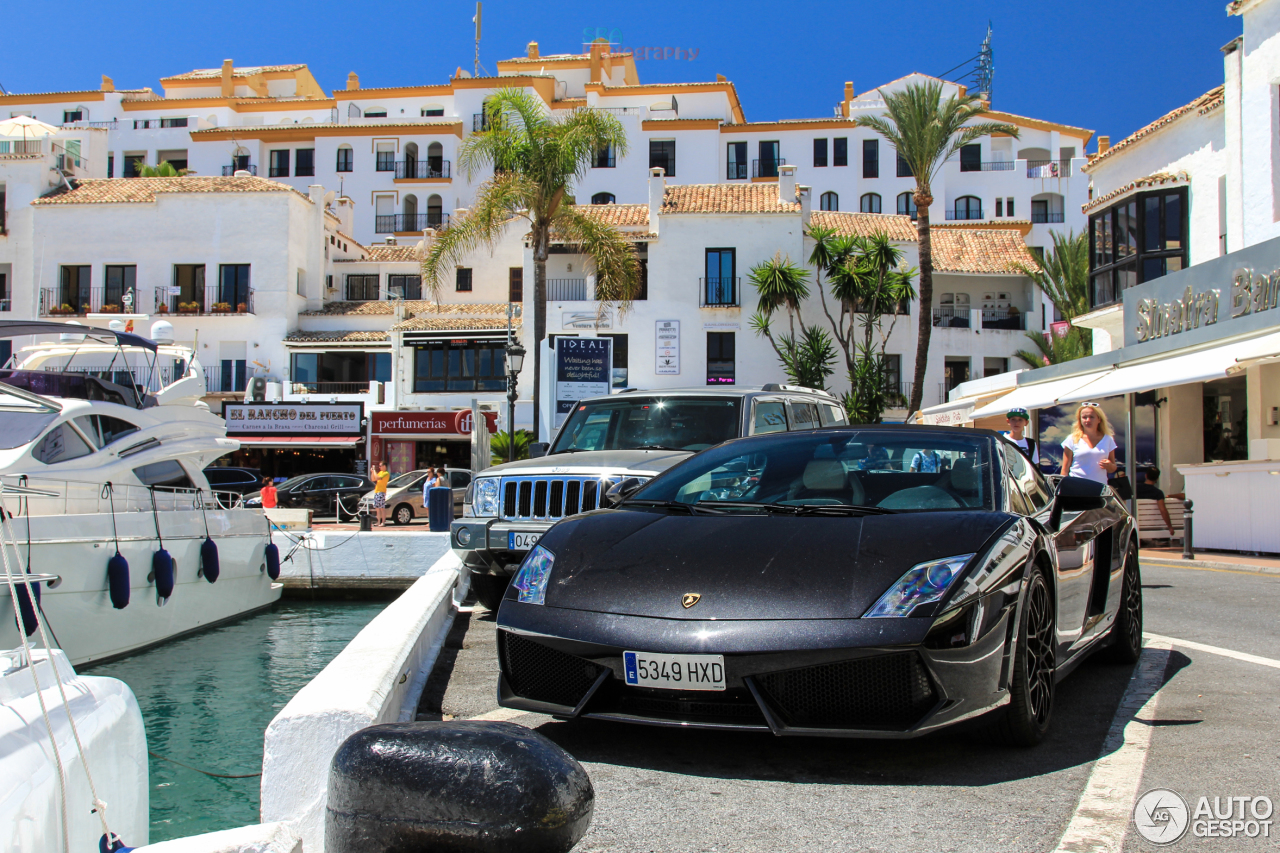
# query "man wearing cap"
(1018, 420)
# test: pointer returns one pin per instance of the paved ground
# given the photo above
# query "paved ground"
(1210, 730)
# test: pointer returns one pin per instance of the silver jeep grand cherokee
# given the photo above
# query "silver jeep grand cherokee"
(604, 441)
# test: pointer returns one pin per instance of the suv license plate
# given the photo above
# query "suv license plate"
(522, 540)
(674, 672)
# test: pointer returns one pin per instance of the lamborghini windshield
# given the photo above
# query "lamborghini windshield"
(885, 469)
(658, 423)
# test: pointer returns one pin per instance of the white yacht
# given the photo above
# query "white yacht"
(103, 442)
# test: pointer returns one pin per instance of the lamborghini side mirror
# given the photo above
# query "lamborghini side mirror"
(620, 491)
(1075, 494)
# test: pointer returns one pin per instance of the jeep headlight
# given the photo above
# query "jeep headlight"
(485, 499)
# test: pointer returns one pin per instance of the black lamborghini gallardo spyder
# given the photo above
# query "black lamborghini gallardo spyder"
(858, 581)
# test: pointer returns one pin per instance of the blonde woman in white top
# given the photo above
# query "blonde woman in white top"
(1090, 450)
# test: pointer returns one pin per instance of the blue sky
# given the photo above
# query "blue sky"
(1111, 67)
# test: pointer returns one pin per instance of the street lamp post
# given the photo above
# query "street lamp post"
(515, 361)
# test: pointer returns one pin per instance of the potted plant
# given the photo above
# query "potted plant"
(84, 309)
(110, 309)
(188, 307)
(242, 308)
(222, 307)
(162, 308)
(64, 308)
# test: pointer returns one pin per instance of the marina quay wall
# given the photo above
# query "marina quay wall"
(351, 560)
(278, 837)
(374, 680)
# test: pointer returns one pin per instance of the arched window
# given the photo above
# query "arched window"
(411, 221)
(435, 212)
(869, 203)
(829, 201)
(345, 158)
(907, 204)
(608, 198)
(435, 161)
(968, 207)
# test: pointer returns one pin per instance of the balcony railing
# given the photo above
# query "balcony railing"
(898, 394)
(325, 388)
(618, 111)
(21, 146)
(965, 213)
(1048, 168)
(432, 167)
(211, 299)
(1004, 318)
(156, 123)
(104, 125)
(718, 292)
(988, 166)
(736, 172)
(566, 289)
(397, 223)
(948, 316)
(766, 168)
(1046, 216)
(228, 171)
(57, 301)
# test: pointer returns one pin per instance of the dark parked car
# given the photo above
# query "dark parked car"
(242, 481)
(857, 581)
(320, 493)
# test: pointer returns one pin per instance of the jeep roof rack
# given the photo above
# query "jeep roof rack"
(774, 386)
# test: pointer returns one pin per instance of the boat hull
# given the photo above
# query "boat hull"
(78, 609)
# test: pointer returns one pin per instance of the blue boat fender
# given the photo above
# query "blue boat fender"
(272, 555)
(112, 844)
(162, 569)
(209, 560)
(118, 581)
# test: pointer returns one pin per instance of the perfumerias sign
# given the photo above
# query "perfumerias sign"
(1226, 297)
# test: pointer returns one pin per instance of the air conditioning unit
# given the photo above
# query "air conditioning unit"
(256, 390)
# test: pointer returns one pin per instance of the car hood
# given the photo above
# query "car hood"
(639, 462)
(640, 563)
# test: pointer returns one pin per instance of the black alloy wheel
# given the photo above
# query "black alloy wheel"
(402, 515)
(1025, 720)
(1126, 633)
(489, 590)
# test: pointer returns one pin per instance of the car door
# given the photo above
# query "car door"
(315, 494)
(458, 481)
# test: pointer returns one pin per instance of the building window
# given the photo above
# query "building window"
(233, 375)
(720, 358)
(233, 285)
(907, 204)
(111, 165)
(279, 163)
(719, 286)
(386, 161)
(620, 360)
(662, 154)
(605, 158)
(737, 161)
(967, 207)
(305, 163)
(361, 288)
(429, 112)
(1008, 206)
(644, 280)
(69, 116)
(904, 168)
(999, 207)
(841, 151)
(131, 164)
(377, 112)
(971, 158)
(119, 281)
(404, 287)
(515, 284)
(459, 365)
(767, 165)
(869, 203)
(893, 378)
(180, 121)
(829, 201)
(819, 152)
(871, 158)
(345, 160)
(603, 198)
(463, 279)
(1140, 239)
(75, 292)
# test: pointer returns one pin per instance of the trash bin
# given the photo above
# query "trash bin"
(440, 509)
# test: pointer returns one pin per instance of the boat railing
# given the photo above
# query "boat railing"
(37, 496)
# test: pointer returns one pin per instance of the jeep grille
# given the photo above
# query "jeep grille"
(552, 497)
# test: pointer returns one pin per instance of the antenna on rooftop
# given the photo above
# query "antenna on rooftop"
(476, 20)
(979, 69)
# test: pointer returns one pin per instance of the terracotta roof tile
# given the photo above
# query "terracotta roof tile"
(619, 215)
(393, 254)
(454, 324)
(414, 307)
(1154, 180)
(725, 198)
(342, 337)
(994, 251)
(145, 190)
(246, 71)
(867, 224)
(1203, 104)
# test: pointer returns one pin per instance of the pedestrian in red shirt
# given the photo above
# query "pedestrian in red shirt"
(268, 494)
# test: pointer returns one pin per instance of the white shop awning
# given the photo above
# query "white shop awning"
(1202, 366)
(1037, 396)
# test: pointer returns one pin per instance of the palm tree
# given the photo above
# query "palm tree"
(1052, 348)
(535, 158)
(926, 132)
(1063, 275)
(499, 445)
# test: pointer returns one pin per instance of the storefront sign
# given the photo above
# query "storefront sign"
(668, 349)
(427, 423)
(294, 418)
(586, 320)
(951, 417)
(1193, 310)
(584, 368)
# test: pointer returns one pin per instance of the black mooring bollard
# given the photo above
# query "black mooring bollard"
(478, 787)
(1187, 546)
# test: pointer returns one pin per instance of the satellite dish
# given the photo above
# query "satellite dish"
(162, 332)
(329, 197)
(116, 325)
(68, 338)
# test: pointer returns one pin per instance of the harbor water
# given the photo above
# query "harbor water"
(206, 700)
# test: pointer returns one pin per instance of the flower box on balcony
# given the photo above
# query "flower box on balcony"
(62, 310)
(188, 307)
(242, 308)
(110, 309)
(222, 307)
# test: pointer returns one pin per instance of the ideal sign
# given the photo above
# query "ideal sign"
(299, 419)
(584, 368)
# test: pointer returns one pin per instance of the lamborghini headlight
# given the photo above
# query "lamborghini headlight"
(535, 572)
(485, 498)
(924, 583)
